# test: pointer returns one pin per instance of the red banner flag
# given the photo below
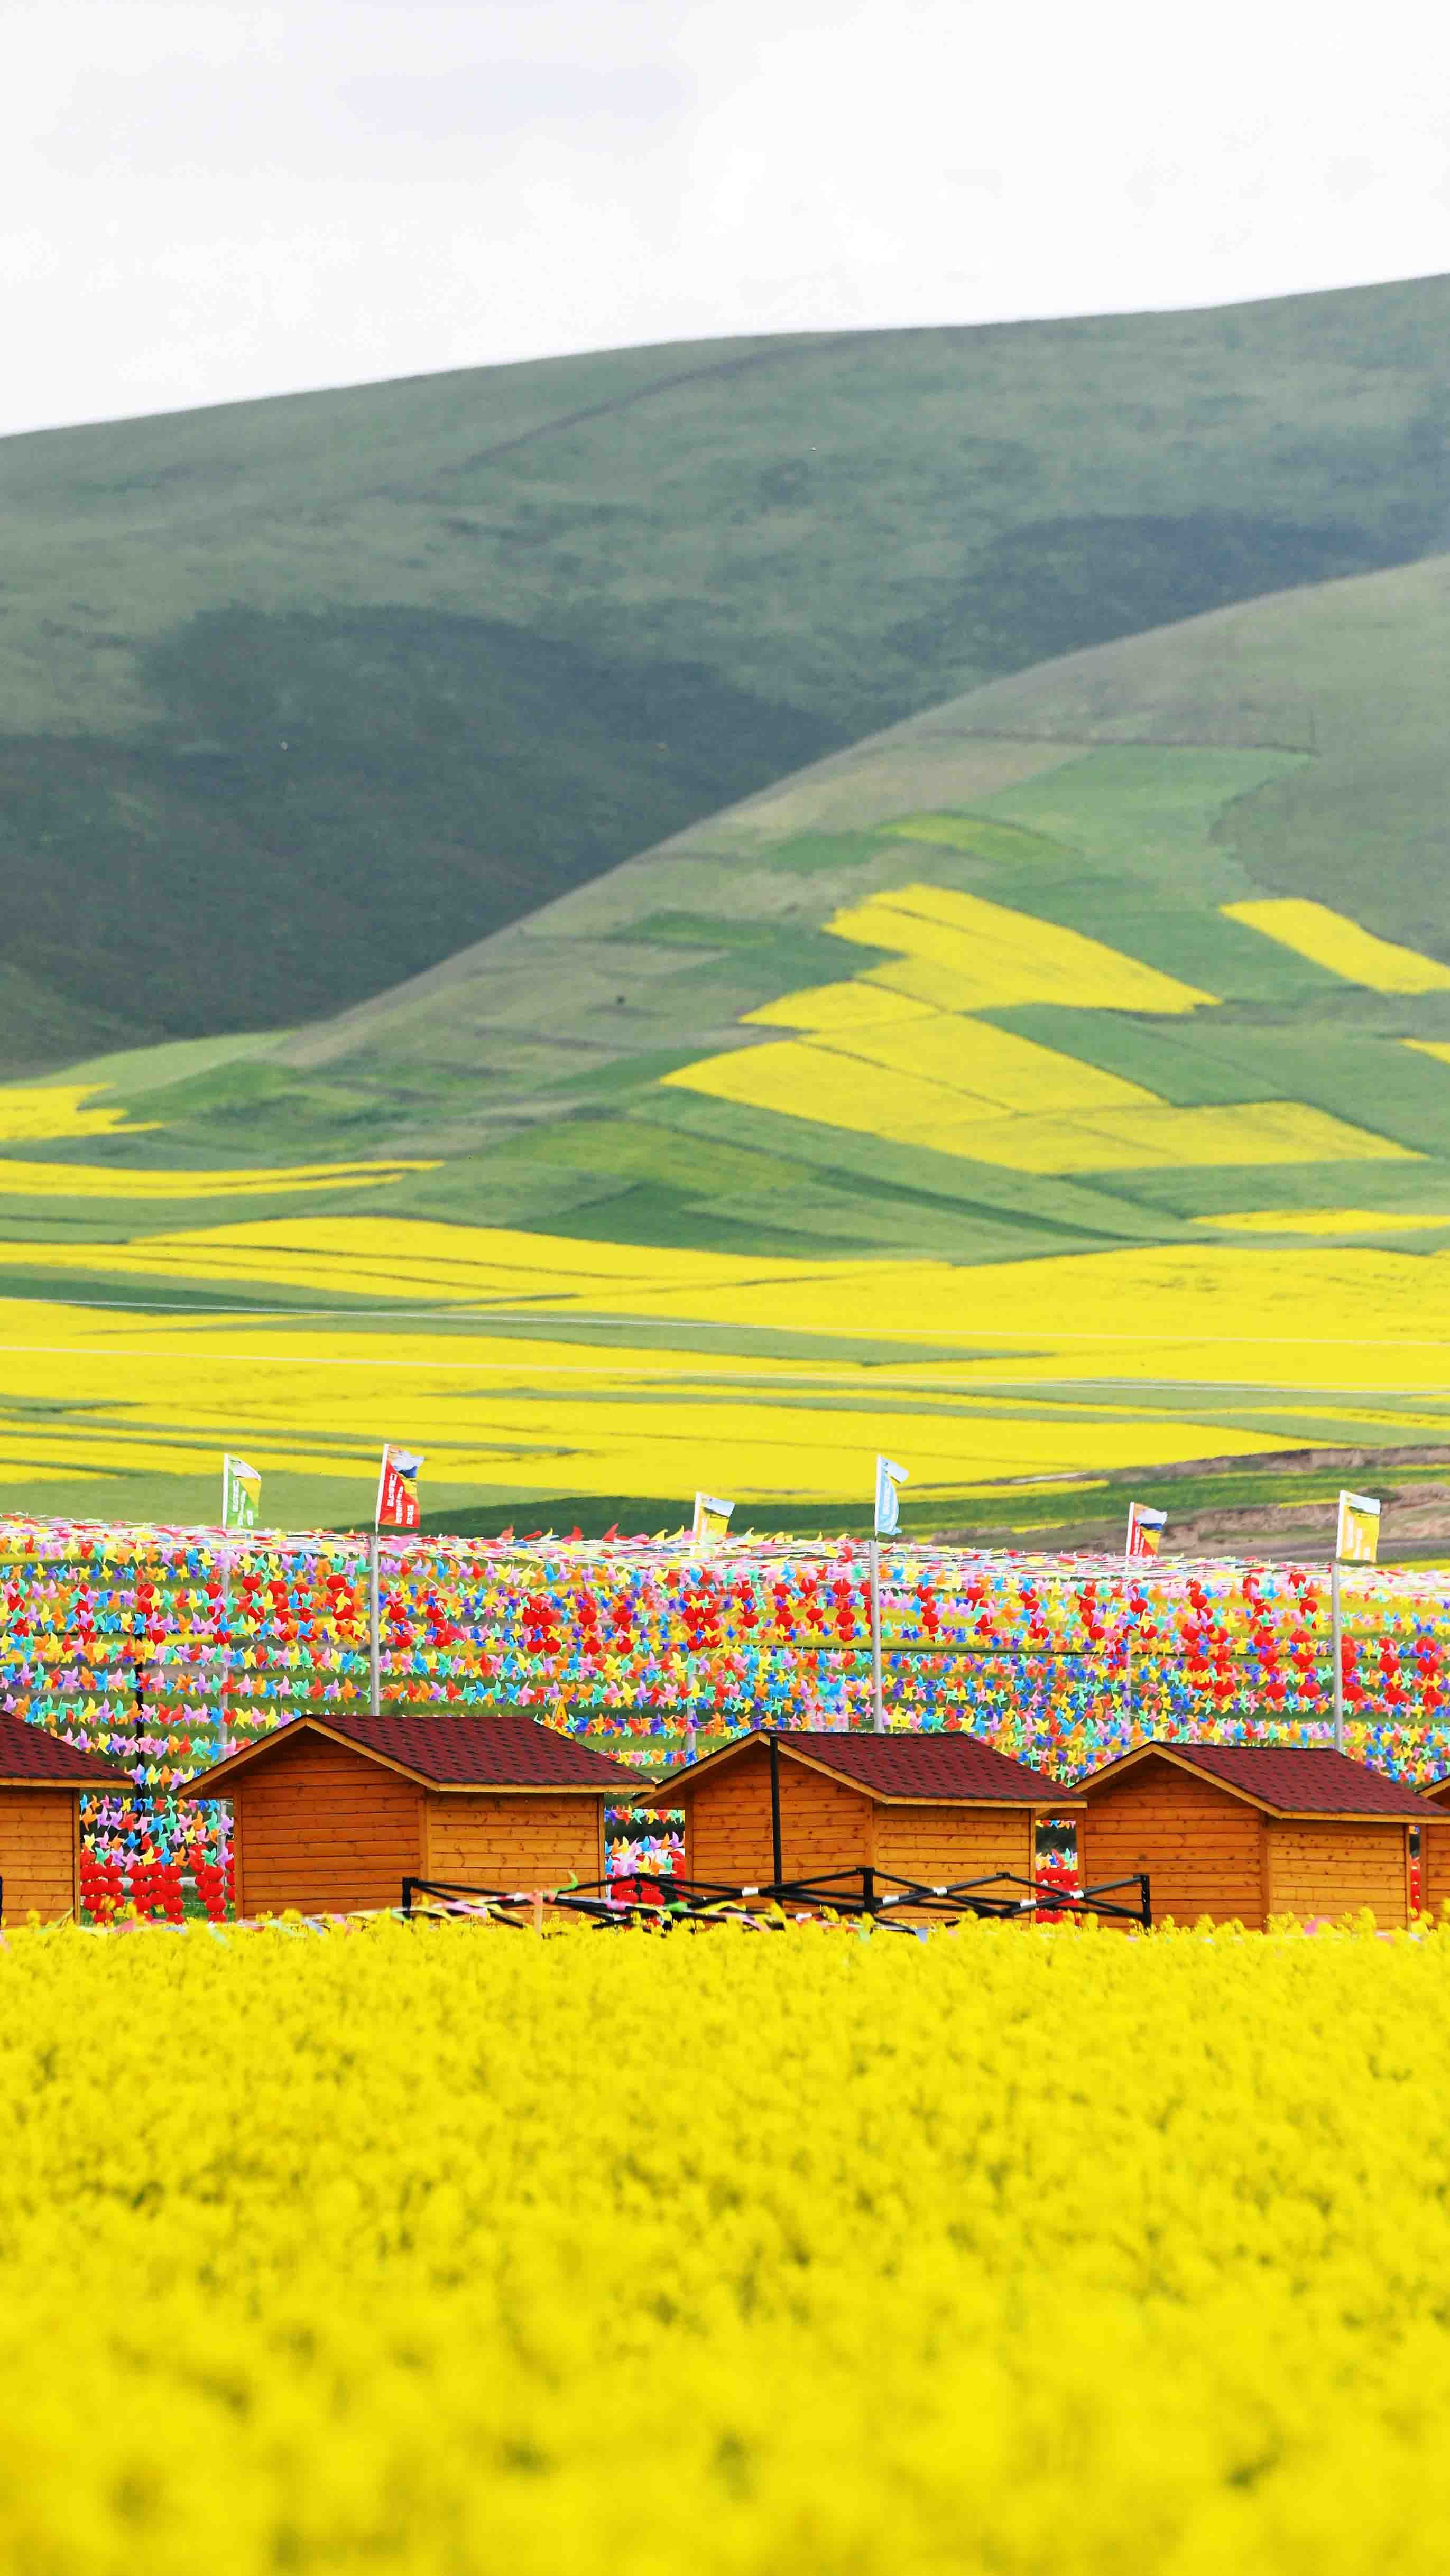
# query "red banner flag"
(1145, 1529)
(398, 1489)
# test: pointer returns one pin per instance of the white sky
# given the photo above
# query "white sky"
(211, 198)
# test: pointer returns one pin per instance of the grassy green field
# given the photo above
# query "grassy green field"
(304, 696)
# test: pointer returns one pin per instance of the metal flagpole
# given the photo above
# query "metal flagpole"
(1336, 1646)
(375, 1660)
(878, 1715)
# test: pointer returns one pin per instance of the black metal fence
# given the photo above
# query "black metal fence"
(865, 1894)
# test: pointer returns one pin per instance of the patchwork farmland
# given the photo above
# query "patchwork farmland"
(1009, 1099)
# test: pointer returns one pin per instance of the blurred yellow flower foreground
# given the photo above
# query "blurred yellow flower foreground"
(445, 2250)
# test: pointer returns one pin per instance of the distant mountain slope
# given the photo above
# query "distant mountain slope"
(1148, 797)
(302, 696)
(1053, 1085)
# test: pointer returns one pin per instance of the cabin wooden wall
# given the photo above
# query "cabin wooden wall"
(528, 1838)
(1202, 1849)
(823, 1825)
(1435, 1864)
(320, 1828)
(940, 1844)
(1320, 1866)
(727, 1823)
(40, 1853)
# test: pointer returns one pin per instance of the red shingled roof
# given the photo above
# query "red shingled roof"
(901, 1766)
(30, 1757)
(446, 1748)
(1291, 1779)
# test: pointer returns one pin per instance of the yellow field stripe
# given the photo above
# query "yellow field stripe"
(984, 956)
(828, 1010)
(1329, 939)
(895, 1054)
(1035, 1111)
(1325, 1221)
(115, 1181)
(148, 1399)
(1212, 1310)
(47, 1113)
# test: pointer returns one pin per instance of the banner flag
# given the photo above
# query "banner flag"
(398, 1488)
(241, 1494)
(712, 1519)
(888, 1508)
(1145, 1529)
(1357, 1539)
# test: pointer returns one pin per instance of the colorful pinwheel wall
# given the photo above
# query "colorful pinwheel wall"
(165, 1647)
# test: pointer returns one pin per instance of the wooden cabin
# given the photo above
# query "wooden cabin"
(793, 1804)
(1242, 1832)
(41, 1784)
(1435, 1851)
(335, 1808)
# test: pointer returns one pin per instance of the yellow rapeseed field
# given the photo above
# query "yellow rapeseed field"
(1330, 940)
(896, 1054)
(1265, 1311)
(445, 2250)
(961, 953)
(20, 1180)
(1327, 1221)
(532, 1367)
(50, 1111)
(1088, 1121)
(81, 1393)
(1044, 1367)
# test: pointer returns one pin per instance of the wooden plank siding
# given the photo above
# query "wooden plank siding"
(322, 1829)
(727, 1823)
(527, 1838)
(1324, 1866)
(824, 1826)
(939, 1844)
(1435, 1865)
(1202, 1849)
(40, 1853)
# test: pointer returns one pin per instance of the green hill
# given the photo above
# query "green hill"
(1142, 954)
(1127, 794)
(304, 696)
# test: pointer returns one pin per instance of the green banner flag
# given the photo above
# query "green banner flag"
(241, 1494)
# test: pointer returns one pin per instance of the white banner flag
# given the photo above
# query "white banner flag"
(888, 1509)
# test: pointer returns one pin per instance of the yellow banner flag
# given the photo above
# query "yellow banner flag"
(1357, 1541)
(712, 1519)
